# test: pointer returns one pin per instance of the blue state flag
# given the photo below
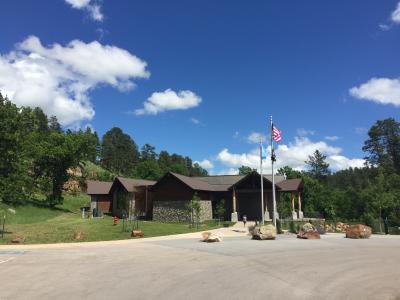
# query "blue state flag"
(263, 152)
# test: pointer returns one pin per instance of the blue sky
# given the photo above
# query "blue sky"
(210, 72)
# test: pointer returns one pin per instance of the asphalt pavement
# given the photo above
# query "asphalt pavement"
(182, 267)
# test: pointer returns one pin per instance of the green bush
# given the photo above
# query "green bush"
(292, 227)
(279, 226)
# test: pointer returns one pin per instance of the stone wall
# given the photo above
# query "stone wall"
(175, 211)
(206, 210)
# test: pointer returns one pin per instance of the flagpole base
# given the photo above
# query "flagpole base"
(234, 217)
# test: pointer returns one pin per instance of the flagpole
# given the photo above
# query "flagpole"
(273, 176)
(262, 186)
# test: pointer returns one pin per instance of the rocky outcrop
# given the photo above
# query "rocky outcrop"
(358, 231)
(264, 232)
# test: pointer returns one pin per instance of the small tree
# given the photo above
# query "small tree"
(194, 209)
(220, 209)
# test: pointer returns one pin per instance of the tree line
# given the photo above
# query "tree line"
(36, 154)
(368, 194)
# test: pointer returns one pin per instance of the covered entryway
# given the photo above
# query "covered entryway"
(248, 196)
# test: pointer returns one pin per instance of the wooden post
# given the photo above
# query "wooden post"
(299, 199)
(292, 196)
(233, 200)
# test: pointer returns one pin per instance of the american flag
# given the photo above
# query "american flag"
(276, 134)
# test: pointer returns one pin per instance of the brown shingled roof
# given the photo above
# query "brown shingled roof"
(98, 187)
(130, 183)
(291, 185)
(193, 182)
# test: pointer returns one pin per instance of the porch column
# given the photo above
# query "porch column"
(234, 215)
(294, 213)
(301, 215)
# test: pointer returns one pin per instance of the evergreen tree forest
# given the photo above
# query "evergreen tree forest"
(37, 154)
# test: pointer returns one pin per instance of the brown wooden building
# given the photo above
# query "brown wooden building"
(242, 195)
(166, 199)
(123, 195)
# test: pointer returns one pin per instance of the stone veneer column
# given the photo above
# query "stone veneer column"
(234, 215)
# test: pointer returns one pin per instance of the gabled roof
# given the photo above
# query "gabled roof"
(291, 185)
(98, 187)
(130, 183)
(193, 182)
(223, 183)
(278, 178)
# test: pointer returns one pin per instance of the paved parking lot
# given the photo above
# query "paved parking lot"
(181, 267)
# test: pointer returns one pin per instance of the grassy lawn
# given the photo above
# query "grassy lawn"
(44, 225)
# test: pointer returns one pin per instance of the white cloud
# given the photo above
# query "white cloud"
(340, 162)
(196, 121)
(205, 164)
(361, 130)
(90, 6)
(168, 100)
(395, 16)
(332, 137)
(256, 137)
(304, 132)
(229, 171)
(379, 90)
(293, 155)
(384, 27)
(59, 78)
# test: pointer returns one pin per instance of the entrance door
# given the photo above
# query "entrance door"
(250, 204)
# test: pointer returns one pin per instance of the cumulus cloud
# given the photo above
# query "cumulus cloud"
(169, 100)
(93, 8)
(395, 16)
(293, 155)
(205, 164)
(379, 90)
(59, 78)
(256, 137)
(332, 137)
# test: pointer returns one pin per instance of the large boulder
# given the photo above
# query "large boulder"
(78, 235)
(18, 240)
(264, 232)
(209, 237)
(308, 227)
(358, 231)
(310, 235)
(137, 233)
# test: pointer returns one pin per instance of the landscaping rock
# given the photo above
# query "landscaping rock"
(358, 231)
(320, 230)
(264, 232)
(137, 233)
(307, 227)
(18, 240)
(310, 235)
(78, 236)
(209, 237)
